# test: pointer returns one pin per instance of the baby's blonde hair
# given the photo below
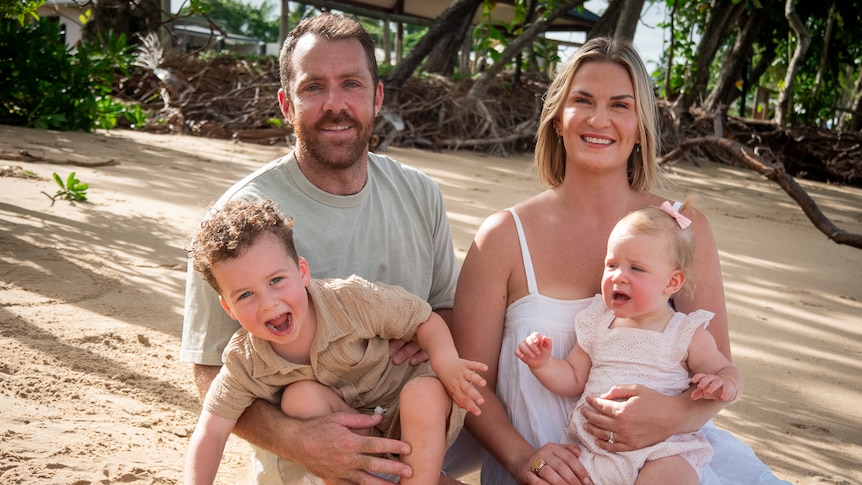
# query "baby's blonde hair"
(653, 221)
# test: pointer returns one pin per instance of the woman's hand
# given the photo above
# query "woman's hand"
(556, 465)
(636, 415)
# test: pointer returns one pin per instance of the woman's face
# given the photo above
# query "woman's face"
(599, 121)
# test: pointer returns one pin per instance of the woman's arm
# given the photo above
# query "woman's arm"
(481, 299)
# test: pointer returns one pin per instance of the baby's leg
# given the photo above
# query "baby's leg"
(425, 408)
(672, 469)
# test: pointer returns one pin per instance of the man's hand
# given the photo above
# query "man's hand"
(405, 350)
(329, 449)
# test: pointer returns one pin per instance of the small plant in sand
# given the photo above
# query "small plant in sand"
(72, 189)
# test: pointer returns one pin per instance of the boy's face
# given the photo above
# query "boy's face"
(264, 289)
(639, 275)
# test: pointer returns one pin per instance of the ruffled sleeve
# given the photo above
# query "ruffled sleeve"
(587, 321)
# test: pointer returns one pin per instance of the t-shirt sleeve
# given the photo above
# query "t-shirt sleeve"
(445, 264)
(207, 328)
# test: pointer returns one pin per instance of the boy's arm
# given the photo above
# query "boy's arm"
(206, 447)
(459, 376)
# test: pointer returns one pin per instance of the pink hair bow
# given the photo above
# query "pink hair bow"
(673, 211)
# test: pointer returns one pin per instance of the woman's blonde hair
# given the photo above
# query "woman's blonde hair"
(550, 154)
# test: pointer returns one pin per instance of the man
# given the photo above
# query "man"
(355, 213)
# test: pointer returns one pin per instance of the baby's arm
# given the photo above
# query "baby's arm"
(206, 447)
(459, 376)
(715, 376)
(566, 377)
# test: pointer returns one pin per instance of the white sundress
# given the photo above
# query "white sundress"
(635, 356)
(540, 416)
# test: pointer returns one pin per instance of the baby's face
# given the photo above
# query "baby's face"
(638, 278)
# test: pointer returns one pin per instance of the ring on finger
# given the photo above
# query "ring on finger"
(537, 465)
(611, 440)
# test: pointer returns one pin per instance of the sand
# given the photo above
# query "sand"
(91, 301)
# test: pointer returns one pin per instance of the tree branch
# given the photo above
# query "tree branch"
(774, 171)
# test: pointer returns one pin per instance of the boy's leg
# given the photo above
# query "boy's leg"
(425, 407)
(310, 399)
(672, 469)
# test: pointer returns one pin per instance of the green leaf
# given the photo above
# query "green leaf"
(59, 181)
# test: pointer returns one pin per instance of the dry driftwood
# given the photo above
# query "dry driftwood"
(772, 170)
(236, 98)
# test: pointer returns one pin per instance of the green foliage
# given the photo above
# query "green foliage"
(688, 21)
(72, 189)
(20, 10)
(260, 22)
(491, 37)
(44, 84)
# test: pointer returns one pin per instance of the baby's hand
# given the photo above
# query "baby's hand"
(535, 350)
(460, 380)
(715, 387)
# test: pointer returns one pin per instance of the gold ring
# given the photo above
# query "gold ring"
(537, 465)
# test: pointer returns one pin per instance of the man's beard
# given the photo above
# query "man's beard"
(338, 156)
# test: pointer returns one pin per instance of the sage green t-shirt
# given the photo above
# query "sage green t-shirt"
(395, 230)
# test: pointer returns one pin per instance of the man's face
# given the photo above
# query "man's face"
(332, 101)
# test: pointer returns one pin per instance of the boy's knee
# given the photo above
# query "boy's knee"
(422, 393)
(309, 399)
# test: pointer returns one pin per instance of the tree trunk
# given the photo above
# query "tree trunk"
(454, 15)
(670, 54)
(629, 18)
(441, 59)
(725, 91)
(824, 55)
(118, 17)
(722, 16)
(851, 123)
(803, 40)
(607, 23)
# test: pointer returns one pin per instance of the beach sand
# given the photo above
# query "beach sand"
(91, 302)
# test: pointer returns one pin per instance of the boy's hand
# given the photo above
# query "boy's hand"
(460, 378)
(535, 350)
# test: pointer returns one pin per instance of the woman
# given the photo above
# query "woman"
(535, 266)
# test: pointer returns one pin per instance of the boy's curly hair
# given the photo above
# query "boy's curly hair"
(233, 228)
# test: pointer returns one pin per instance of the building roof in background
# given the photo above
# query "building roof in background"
(423, 12)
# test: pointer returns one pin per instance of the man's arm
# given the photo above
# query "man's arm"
(326, 446)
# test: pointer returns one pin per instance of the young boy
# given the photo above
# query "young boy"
(321, 346)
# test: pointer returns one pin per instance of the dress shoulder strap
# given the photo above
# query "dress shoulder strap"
(525, 255)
